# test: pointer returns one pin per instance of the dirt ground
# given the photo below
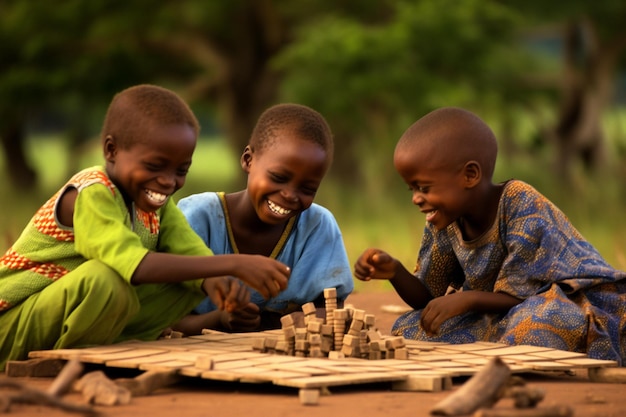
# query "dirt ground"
(198, 397)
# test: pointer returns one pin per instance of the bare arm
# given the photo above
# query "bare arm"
(264, 274)
(376, 264)
(409, 287)
(442, 308)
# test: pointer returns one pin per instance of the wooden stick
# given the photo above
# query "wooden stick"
(481, 390)
(29, 395)
(612, 375)
(149, 382)
(554, 411)
(63, 382)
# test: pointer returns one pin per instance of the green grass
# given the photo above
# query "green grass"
(379, 214)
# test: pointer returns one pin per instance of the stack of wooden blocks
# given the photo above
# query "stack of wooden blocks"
(345, 332)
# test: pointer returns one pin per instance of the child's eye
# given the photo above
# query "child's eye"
(278, 178)
(418, 189)
(309, 191)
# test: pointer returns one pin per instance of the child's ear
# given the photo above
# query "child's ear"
(109, 148)
(472, 174)
(246, 158)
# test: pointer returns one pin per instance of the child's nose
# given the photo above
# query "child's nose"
(289, 194)
(418, 198)
(168, 180)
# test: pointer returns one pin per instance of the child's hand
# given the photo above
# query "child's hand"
(266, 275)
(227, 293)
(375, 264)
(244, 319)
(442, 308)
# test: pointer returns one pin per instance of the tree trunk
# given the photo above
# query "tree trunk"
(589, 75)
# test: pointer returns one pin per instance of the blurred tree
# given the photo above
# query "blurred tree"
(593, 42)
(370, 66)
(68, 59)
(373, 79)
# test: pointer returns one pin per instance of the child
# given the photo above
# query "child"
(110, 257)
(290, 151)
(523, 273)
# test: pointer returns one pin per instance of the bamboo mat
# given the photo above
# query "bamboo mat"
(231, 357)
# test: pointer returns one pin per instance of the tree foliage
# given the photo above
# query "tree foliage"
(371, 67)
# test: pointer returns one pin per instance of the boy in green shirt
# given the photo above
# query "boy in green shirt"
(110, 257)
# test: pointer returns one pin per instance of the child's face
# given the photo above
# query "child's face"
(154, 167)
(283, 179)
(438, 191)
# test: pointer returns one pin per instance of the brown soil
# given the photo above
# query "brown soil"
(197, 397)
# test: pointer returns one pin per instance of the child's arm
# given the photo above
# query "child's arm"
(376, 264)
(267, 276)
(442, 308)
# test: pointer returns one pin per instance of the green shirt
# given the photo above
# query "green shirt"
(104, 229)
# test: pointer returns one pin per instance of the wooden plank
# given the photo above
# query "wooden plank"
(127, 354)
(187, 357)
(337, 380)
(588, 363)
(549, 366)
(512, 350)
(72, 353)
(559, 354)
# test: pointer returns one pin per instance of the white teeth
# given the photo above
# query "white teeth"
(156, 197)
(430, 215)
(277, 209)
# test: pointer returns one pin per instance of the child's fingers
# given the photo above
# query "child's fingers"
(237, 296)
(380, 258)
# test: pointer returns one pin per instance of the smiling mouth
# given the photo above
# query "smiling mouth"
(155, 197)
(275, 208)
(430, 215)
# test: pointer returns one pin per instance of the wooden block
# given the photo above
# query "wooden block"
(370, 320)
(373, 335)
(419, 383)
(302, 345)
(356, 325)
(258, 344)
(611, 375)
(204, 362)
(340, 314)
(309, 396)
(287, 320)
(309, 309)
(336, 355)
(375, 355)
(289, 332)
(314, 326)
(401, 353)
(326, 330)
(38, 367)
(327, 344)
(301, 333)
(330, 293)
(270, 343)
(394, 342)
(352, 341)
(316, 352)
(358, 315)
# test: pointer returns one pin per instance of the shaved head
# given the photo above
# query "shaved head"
(450, 137)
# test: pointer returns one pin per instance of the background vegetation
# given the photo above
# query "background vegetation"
(549, 79)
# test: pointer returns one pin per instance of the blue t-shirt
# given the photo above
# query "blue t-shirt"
(314, 250)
